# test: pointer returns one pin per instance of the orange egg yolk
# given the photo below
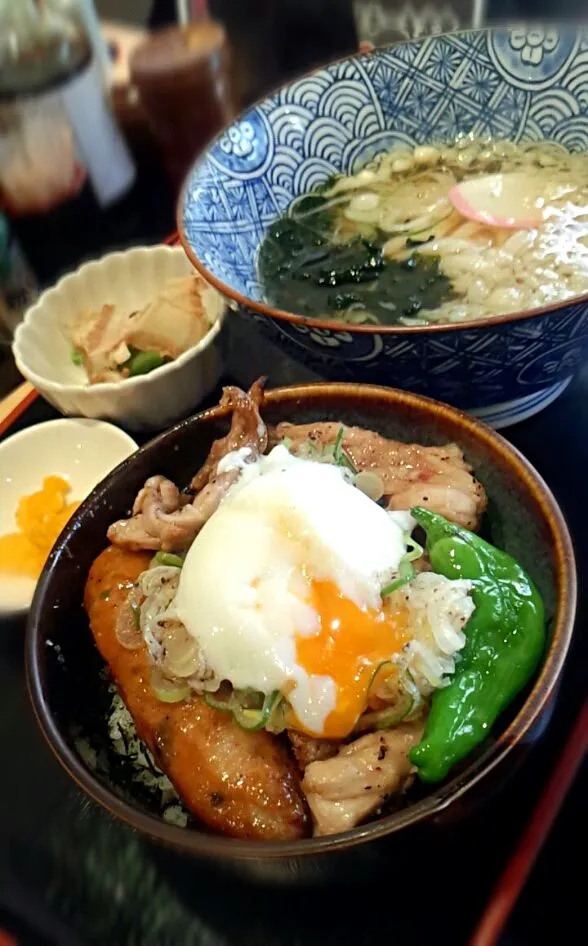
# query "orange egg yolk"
(349, 647)
(40, 518)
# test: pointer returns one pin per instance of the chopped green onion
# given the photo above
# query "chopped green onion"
(340, 455)
(384, 718)
(136, 610)
(254, 719)
(172, 694)
(249, 699)
(408, 684)
(391, 715)
(287, 442)
(76, 356)
(278, 718)
(415, 550)
(225, 706)
(169, 559)
(245, 716)
(169, 691)
(382, 663)
(144, 362)
(406, 573)
(309, 451)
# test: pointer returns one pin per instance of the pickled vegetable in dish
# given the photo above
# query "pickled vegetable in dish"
(113, 343)
(441, 233)
(40, 518)
(321, 590)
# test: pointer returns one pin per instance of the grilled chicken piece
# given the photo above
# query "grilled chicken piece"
(437, 478)
(307, 749)
(343, 791)
(240, 783)
(247, 429)
(160, 520)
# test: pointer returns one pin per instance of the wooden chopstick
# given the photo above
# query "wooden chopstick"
(512, 881)
(15, 402)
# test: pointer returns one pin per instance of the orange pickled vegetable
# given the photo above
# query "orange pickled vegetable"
(40, 518)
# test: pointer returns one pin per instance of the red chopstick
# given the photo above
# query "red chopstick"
(512, 881)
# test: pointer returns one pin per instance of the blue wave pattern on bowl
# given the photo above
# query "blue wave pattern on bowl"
(520, 84)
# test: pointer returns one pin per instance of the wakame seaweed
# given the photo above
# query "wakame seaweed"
(303, 271)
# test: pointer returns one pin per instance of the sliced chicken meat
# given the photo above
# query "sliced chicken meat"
(247, 429)
(345, 790)
(437, 478)
(307, 749)
(161, 522)
(161, 518)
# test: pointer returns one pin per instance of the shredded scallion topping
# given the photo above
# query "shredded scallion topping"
(406, 570)
(251, 710)
(340, 455)
(136, 611)
(169, 559)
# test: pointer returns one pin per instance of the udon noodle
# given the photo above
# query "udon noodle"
(399, 214)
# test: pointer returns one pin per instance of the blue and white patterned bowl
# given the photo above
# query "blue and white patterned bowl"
(520, 84)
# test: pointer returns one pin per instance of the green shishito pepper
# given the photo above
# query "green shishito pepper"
(505, 637)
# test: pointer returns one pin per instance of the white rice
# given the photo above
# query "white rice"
(126, 743)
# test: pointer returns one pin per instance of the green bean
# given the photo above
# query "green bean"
(144, 362)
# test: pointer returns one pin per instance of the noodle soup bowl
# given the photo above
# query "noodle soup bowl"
(520, 85)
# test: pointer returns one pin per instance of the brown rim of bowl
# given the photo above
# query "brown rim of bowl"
(217, 846)
(334, 326)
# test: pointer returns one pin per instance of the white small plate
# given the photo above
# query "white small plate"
(81, 451)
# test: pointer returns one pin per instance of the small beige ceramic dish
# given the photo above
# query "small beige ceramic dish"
(42, 343)
(82, 451)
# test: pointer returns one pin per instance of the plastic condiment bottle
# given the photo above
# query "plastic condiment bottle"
(62, 157)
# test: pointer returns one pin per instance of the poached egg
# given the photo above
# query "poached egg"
(282, 589)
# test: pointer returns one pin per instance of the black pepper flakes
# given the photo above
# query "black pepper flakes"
(382, 753)
(216, 799)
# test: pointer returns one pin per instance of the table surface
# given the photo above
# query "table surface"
(63, 858)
